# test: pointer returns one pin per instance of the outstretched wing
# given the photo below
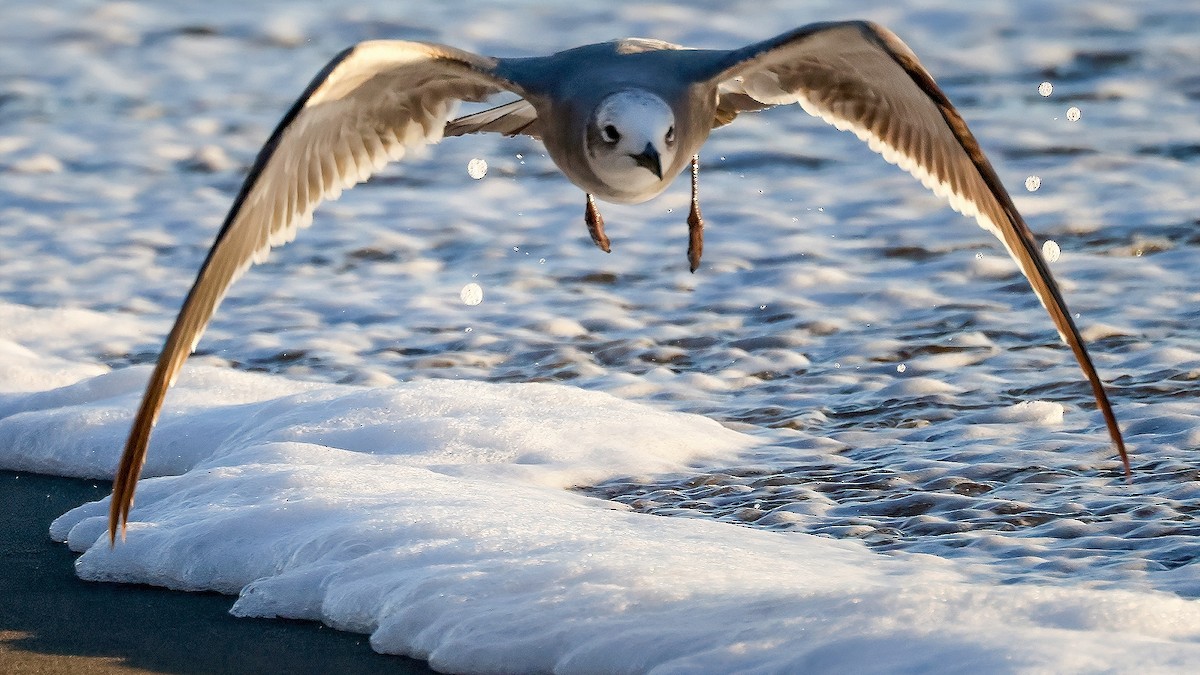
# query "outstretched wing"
(860, 77)
(368, 106)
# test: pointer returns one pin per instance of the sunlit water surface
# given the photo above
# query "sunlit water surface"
(913, 390)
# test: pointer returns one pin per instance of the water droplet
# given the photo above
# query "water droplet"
(471, 294)
(1073, 114)
(1051, 251)
(468, 329)
(1045, 89)
(476, 168)
(1032, 183)
(979, 256)
(762, 306)
(516, 249)
(520, 156)
(901, 368)
(837, 365)
(541, 261)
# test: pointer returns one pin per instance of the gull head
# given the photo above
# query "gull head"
(630, 144)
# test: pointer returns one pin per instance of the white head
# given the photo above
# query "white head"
(630, 141)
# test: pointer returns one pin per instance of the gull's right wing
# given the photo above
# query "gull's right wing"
(368, 106)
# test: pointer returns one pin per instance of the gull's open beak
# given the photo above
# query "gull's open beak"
(649, 159)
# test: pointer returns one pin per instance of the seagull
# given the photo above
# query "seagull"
(621, 120)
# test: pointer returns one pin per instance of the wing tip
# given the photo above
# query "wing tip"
(118, 515)
(1114, 430)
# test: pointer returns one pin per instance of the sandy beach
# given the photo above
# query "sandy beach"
(52, 622)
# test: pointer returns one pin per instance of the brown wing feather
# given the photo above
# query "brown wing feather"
(510, 119)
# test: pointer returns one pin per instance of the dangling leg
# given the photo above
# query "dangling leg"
(595, 224)
(694, 221)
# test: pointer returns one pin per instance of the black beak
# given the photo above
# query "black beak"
(649, 159)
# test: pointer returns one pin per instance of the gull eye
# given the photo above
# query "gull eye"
(671, 135)
(610, 134)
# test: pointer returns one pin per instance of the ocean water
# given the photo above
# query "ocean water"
(902, 429)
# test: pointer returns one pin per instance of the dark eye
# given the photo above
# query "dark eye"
(611, 135)
(671, 135)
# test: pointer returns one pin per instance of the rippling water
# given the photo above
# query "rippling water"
(914, 392)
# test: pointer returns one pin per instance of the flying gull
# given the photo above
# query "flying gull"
(621, 119)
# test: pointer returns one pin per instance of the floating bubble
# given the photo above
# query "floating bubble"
(471, 294)
(1045, 89)
(476, 168)
(1033, 183)
(1050, 250)
(1073, 114)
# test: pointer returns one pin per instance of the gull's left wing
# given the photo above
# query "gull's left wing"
(371, 104)
(860, 77)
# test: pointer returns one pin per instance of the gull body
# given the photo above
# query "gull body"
(621, 120)
(635, 80)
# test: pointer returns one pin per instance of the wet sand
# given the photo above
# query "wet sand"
(52, 622)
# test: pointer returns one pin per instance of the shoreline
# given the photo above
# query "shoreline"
(53, 622)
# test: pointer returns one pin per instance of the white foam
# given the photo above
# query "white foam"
(433, 515)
